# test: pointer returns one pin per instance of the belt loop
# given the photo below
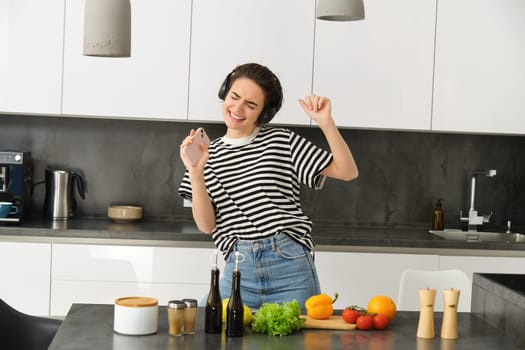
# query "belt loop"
(274, 243)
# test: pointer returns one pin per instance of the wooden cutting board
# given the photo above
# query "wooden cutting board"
(334, 322)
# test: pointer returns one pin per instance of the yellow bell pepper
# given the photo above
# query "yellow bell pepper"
(320, 306)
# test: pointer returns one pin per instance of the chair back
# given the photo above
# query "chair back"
(22, 331)
(412, 280)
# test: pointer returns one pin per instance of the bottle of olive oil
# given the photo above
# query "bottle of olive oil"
(213, 313)
(437, 216)
(235, 310)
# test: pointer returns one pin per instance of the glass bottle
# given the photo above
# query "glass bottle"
(213, 313)
(235, 310)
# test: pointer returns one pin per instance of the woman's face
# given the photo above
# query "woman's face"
(242, 106)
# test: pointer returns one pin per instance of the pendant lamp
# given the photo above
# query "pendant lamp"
(340, 10)
(107, 28)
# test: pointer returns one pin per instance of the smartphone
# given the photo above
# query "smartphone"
(193, 150)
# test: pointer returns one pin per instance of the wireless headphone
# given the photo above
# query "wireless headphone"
(269, 110)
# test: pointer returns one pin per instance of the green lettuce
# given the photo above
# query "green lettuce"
(275, 319)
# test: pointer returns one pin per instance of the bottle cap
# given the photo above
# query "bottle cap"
(176, 304)
(190, 302)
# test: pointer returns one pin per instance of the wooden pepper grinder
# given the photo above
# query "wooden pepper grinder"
(449, 328)
(425, 327)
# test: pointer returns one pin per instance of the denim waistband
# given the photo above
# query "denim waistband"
(262, 243)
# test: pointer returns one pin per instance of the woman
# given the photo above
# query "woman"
(245, 189)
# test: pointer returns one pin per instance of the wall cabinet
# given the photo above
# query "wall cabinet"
(278, 34)
(31, 38)
(378, 72)
(479, 74)
(25, 272)
(411, 64)
(101, 274)
(152, 83)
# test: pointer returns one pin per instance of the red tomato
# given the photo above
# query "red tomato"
(381, 321)
(350, 315)
(364, 322)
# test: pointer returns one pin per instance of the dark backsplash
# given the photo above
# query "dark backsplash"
(402, 174)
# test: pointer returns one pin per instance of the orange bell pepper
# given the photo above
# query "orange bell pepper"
(320, 306)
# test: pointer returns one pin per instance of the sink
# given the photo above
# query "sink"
(477, 236)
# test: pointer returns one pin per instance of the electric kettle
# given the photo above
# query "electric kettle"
(60, 203)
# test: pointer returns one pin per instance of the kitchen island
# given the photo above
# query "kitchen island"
(90, 326)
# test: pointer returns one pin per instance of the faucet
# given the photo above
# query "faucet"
(473, 218)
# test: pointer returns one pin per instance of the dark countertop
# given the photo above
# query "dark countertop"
(181, 233)
(89, 326)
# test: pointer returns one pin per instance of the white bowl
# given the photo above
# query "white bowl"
(124, 213)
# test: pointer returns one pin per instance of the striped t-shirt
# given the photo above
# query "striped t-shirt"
(255, 186)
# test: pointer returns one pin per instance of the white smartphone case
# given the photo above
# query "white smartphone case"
(193, 150)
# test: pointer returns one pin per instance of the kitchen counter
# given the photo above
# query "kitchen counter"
(90, 326)
(185, 234)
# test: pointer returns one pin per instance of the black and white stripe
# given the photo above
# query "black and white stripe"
(255, 187)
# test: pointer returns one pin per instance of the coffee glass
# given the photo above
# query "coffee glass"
(7, 208)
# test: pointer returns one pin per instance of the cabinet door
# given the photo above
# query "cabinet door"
(25, 282)
(103, 273)
(275, 33)
(479, 73)
(31, 38)
(152, 83)
(357, 277)
(481, 264)
(378, 71)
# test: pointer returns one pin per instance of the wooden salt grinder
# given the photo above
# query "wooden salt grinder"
(425, 327)
(449, 328)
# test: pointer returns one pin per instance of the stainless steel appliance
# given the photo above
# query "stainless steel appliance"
(60, 202)
(16, 169)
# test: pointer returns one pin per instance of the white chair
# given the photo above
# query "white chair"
(413, 280)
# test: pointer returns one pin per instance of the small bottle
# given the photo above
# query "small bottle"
(213, 313)
(235, 310)
(190, 314)
(176, 316)
(437, 216)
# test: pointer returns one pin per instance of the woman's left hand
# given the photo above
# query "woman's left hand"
(319, 108)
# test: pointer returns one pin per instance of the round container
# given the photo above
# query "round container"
(124, 213)
(136, 315)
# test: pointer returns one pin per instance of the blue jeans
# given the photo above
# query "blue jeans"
(275, 269)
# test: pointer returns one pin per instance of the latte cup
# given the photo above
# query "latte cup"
(7, 208)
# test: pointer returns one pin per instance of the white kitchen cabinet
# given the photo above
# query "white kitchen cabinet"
(378, 71)
(152, 83)
(25, 270)
(357, 277)
(31, 40)
(479, 74)
(103, 273)
(483, 264)
(278, 34)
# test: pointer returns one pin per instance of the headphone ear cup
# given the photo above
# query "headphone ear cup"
(225, 86)
(267, 115)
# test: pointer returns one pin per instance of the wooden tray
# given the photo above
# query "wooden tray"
(334, 322)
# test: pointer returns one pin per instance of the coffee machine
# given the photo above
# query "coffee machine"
(16, 176)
